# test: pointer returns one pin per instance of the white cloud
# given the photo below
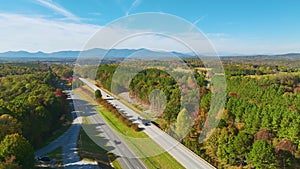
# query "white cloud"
(51, 5)
(35, 33)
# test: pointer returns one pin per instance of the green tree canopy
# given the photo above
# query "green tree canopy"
(8, 125)
(262, 155)
(16, 145)
(98, 94)
(183, 124)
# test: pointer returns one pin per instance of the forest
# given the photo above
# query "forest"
(32, 107)
(259, 126)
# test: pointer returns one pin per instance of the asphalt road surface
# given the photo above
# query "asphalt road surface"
(183, 155)
(109, 139)
(68, 142)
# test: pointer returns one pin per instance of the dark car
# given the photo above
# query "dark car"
(144, 121)
(44, 159)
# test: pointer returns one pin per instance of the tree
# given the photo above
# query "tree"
(98, 94)
(241, 146)
(225, 139)
(222, 123)
(10, 163)
(8, 125)
(284, 151)
(171, 111)
(183, 124)
(16, 145)
(212, 143)
(262, 155)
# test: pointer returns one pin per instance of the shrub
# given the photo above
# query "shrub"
(128, 122)
(135, 127)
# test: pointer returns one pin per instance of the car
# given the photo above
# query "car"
(144, 121)
(44, 159)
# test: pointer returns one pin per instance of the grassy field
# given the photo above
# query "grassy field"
(118, 126)
(276, 75)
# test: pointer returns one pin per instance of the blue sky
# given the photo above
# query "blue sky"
(233, 26)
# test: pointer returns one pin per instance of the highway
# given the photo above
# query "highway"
(110, 139)
(183, 155)
(68, 142)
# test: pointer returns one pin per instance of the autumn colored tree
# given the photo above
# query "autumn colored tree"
(16, 145)
(262, 105)
(10, 163)
(8, 125)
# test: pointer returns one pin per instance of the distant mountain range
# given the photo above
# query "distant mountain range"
(286, 56)
(113, 54)
(97, 52)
